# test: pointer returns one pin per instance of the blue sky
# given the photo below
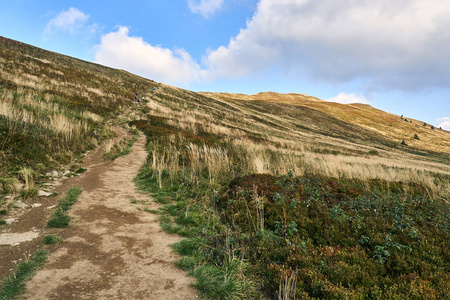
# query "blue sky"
(393, 55)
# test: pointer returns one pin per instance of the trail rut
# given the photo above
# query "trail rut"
(111, 249)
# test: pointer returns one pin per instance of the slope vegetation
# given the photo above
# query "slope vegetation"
(393, 127)
(278, 195)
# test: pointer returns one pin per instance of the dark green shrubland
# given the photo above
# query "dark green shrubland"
(312, 236)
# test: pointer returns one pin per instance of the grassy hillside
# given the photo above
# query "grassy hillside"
(54, 107)
(390, 126)
(278, 195)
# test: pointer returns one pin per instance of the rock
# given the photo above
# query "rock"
(55, 174)
(14, 239)
(34, 205)
(66, 173)
(42, 193)
(20, 204)
(12, 220)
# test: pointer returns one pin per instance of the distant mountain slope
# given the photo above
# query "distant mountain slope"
(390, 126)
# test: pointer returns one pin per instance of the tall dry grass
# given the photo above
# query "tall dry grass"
(279, 151)
(197, 160)
(29, 107)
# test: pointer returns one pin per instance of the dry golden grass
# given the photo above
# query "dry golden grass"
(273, 133)
(388, 125)
(286, 148)
(29, 109)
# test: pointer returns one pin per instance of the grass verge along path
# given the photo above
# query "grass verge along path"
(14, 285)
(60, 219)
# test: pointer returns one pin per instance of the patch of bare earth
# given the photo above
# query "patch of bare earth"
(111, 249)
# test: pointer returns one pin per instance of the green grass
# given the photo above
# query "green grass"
(52, 240)
(14, 285)
(123, 148)
(151, 211)
(59, 218)
(80, 170)
(340, 237)
(216, 280)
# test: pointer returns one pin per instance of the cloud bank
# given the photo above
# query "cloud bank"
(385, 45)
(120, 50)
(206, 8)
(69, 21)
(394, 45)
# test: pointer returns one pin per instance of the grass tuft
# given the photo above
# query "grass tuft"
(52, 240)
(14, 285)
(60, 219)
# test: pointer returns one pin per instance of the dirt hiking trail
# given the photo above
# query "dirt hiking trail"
(111, 249)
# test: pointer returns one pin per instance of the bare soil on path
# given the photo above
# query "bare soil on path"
(111, 249)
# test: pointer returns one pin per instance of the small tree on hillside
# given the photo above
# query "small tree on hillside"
(403, 143)
(416, 137)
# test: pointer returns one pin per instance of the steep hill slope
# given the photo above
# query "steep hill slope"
(53, 106)
(43, 90)
(269, 189)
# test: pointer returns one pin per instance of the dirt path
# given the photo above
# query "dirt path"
(111, 249)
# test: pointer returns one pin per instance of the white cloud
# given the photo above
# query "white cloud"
(69, 21)
(444, 123)
(119, 50)
(348, 99)
(205, 7)
(391, 44)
